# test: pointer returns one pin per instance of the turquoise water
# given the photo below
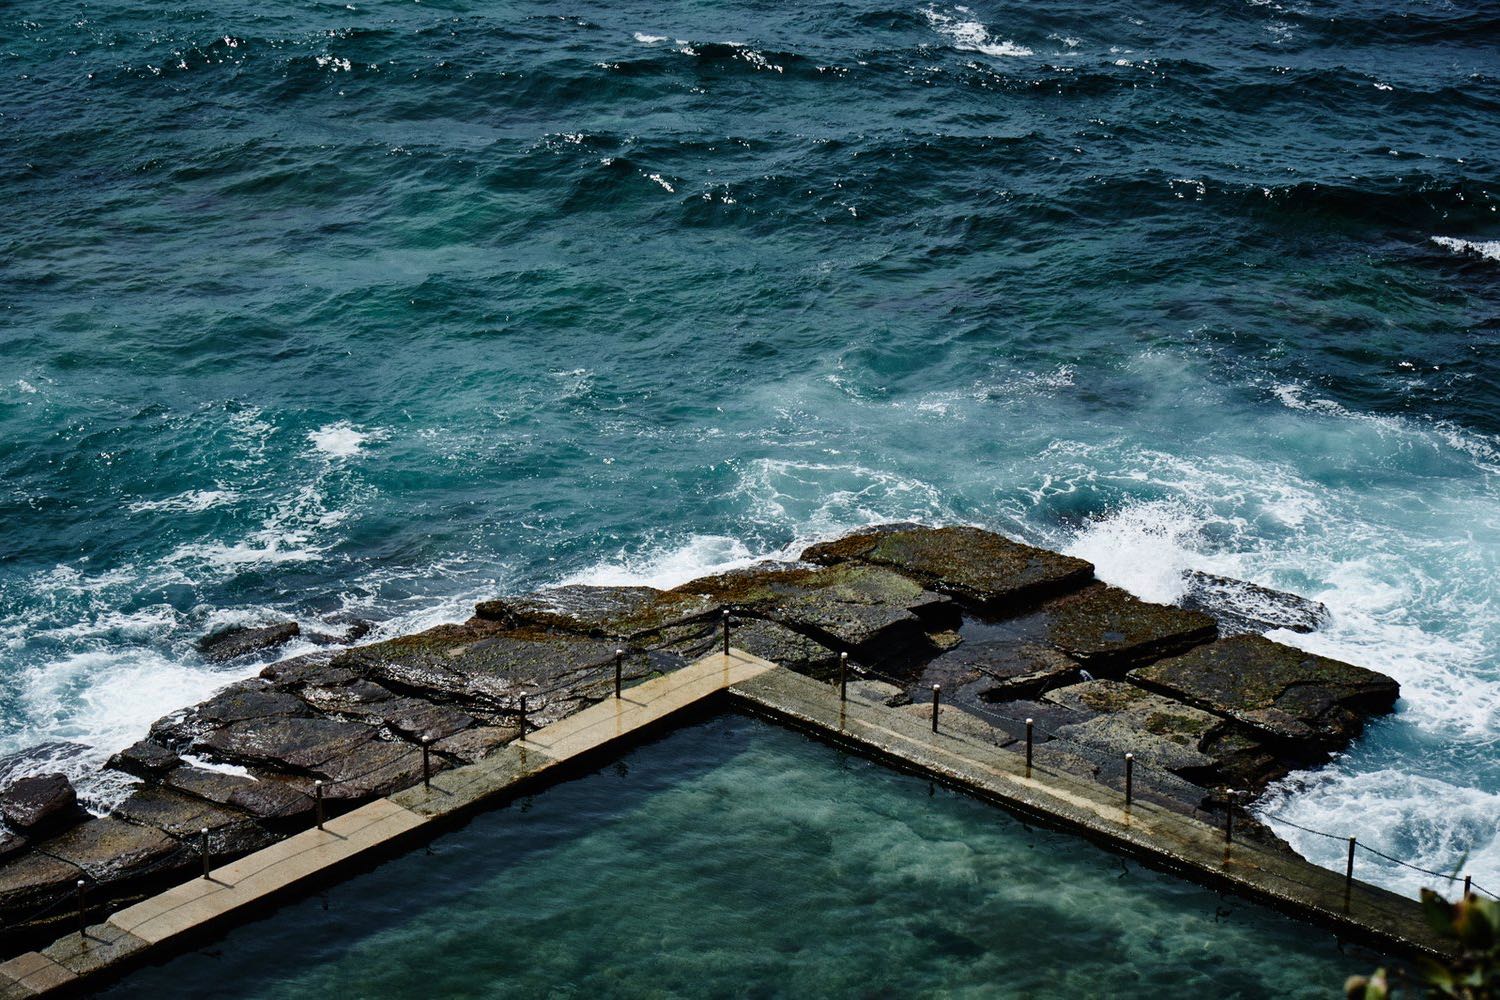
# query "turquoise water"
(372, 309)
(738, 859)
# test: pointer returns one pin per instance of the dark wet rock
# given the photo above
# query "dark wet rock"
(185, 817)
(311, 668)
(1291, 696)
(1245, 608)
(615, 612)
(111, 849)
(374, 704)
(298, 744)
(356, 630)
(233, 643)
(873, 613)
(145, 759)
(983, 570)
(12, 843)
(247, 701)
(483, 665)
(1103, 628)
(265, 799)
(1009, 669)
(475, 744)
(31, 880)
(40, 803)
(376, 768)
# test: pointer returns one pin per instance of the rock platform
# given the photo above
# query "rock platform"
(1008, 631)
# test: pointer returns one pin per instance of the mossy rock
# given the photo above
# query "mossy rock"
(1291, 696)
(1106, 628)
(984, 570)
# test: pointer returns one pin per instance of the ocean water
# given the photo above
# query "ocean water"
(370, 309)
(737, 859)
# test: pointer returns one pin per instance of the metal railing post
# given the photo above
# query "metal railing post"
(843, 677)
(619, 670)
(318, 793)
(1030, 724)
(726, 633)
(204, 833)
(1129, 778)
(937, 690)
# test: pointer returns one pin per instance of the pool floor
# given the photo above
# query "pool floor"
(736, 858)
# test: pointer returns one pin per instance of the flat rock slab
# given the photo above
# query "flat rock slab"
(867, 611)
(1289, 695)
(985, 571)
(484, 665)
(298, 744)
(1103, 628)
(40, 802)
(29, 881)
(1243, 608)
(111, 850)
(264, 799)
(247, 701)
(473, 745)
(612, 612)
(1010, 669)
(184, 817)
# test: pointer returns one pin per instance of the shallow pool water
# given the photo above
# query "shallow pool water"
(735, 858)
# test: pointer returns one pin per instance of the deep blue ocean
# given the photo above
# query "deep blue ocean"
(368, 310)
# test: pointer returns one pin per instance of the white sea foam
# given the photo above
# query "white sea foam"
(190, 502)
(646, 39)
(1420, 820)
(970, 35)
(340, 440)
(1145, 549)
(669, 565)
(1489, 249)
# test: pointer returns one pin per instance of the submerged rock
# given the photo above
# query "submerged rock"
(40, 803)
(985, 571)
(1291, 696)
(233, 643)
(1240, 607)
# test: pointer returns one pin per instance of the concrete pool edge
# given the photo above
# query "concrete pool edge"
(191, 910)
(1146, 832)
(173, 919)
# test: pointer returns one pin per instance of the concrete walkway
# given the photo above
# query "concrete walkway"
(1159, 837)
(235, 892)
